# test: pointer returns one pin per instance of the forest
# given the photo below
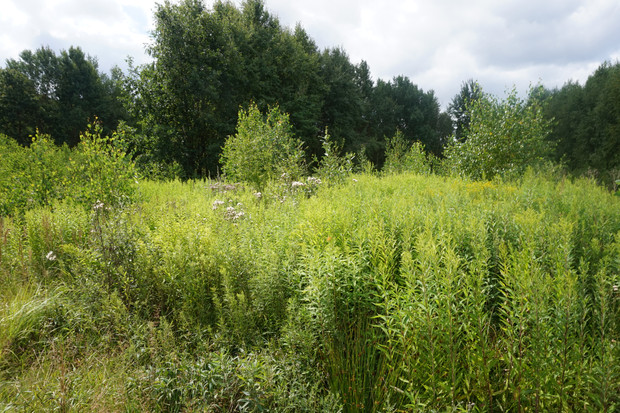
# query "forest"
(250, 223)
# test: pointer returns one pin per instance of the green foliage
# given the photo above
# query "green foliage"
(210, 61)
(262, 149)
(401, 292)
(31, 176)
(586, 130)
(18, 106)
(334, 168)
(503, 138)
(98, 169)
(143, 150)
(57, 95)
(400, 105)
(402, 157)
(101, 170)
(455, 323)
(459, 107)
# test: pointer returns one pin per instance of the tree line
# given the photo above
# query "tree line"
(57, 95)
(207, 63)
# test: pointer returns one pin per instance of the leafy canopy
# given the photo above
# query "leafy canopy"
(504, 137)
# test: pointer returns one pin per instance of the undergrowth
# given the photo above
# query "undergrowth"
(397, 293)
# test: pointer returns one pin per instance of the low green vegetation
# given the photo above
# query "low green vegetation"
(399, 292)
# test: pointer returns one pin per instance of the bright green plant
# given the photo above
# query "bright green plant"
(333, 167)
(262, 149)
(31, 176)
(400, 156)
(100, 170)
(504, 137)
(395, 293)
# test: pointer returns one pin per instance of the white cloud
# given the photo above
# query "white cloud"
(107, 30)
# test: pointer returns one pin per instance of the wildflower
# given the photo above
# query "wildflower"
(314, 181)
(232, 214)
(296, 184)
(615, 287)
(51, 256)
(98, 205)
(258, 195)
(354, 180)
(217, 203)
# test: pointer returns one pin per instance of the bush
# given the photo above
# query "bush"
(31, 176)
(333, 167)
(503, 138)
(402, 157)
(262, 149)
(98, 169)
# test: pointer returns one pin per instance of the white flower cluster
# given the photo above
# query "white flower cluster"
(98, 205)
(231, 213)
(314, 181)
(297, 184)
(51, 256)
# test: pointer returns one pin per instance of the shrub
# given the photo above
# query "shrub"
(401, 157)
(31, 176)
(503, 138)
(333, 167)
(262, 149)
(98, 169)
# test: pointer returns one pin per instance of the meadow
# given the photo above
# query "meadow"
(398, 291)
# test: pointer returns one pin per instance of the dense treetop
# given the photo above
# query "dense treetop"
(57, 94)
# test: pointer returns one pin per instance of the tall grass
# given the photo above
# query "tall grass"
(402, 292)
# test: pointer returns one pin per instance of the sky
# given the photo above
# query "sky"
(438, 44)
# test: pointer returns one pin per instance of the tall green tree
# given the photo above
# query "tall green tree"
(400, 105)
(68, 91)
(342, 106)
(458, 108)
(208, 63)
(79, 93)
(18, 105)
(587, 123)
(41, 67)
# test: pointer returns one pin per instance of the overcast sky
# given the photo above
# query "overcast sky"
(438, 44)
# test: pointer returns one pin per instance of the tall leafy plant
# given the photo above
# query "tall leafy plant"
(504, 137)
(262, 149)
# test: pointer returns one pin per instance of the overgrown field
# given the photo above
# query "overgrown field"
(396, 293)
